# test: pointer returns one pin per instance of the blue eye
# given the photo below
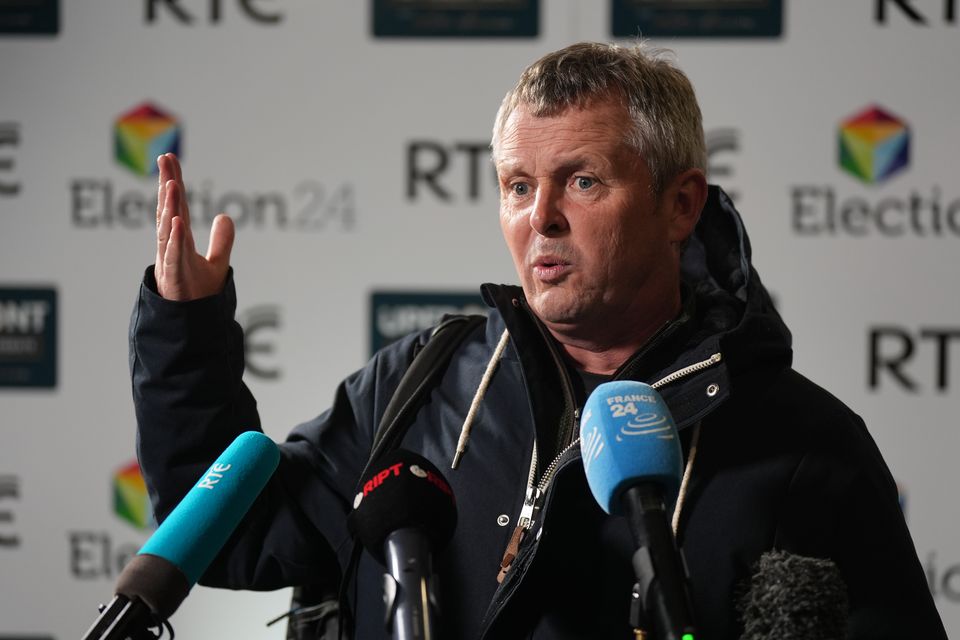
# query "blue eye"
(521, 188)
(584, 183)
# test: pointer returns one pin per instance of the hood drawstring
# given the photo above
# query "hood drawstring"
(482, 390)
(478, 398)
(687, 472)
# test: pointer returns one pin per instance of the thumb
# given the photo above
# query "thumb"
(221, 240)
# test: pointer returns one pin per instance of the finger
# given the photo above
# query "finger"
(221, 240)
(164, 225)
(175, 165)
(184, 209)
(163, 172)
(170, 286)
(176, 203)
(163, 236)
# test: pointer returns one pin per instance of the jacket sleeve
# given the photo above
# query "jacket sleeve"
(848, 501)
(186, 362)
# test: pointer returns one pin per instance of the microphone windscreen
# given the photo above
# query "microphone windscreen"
(403, 490)
(792, 597)
(200, 525)
(627, 436)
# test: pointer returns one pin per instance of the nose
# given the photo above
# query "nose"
(547, 217)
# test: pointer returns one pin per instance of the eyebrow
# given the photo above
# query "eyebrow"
(578, 162)
(567, 165)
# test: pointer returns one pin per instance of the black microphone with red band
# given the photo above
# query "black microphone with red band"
(405, 513)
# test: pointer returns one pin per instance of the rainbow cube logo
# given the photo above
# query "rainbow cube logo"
(874, 145)
(130, 499)
(142, 134)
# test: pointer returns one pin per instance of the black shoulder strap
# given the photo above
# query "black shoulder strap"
(421, 377)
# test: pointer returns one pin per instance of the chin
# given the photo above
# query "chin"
(557, 311)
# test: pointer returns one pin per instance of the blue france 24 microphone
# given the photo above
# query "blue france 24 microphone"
(633, 462)
(158, 578)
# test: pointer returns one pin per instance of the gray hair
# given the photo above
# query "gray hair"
(667, 125)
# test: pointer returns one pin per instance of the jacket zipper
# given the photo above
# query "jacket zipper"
(535, 492)
(693, 368)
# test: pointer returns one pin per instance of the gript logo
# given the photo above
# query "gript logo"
(380, 477)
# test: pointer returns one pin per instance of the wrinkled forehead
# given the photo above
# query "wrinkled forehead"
(599, 129)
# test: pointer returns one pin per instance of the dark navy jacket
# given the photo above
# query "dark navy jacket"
(780, 464)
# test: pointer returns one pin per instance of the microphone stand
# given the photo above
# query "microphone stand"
(124, 619)
(661, 575)
(411, 603)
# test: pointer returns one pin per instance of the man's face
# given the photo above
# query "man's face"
(579, 216)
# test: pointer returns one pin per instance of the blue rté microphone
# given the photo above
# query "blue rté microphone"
(159, 577)
(633, 462)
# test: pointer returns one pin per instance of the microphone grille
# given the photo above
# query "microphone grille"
(793, 597)
(403, 490)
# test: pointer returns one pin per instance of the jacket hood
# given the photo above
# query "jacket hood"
(731, 301)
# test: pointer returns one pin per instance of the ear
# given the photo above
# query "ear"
(686, 196)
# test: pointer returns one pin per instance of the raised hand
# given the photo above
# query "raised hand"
(181, 272)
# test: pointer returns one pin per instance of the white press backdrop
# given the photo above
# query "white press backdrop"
(313, 111)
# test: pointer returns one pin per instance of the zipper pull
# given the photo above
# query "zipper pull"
(513, 548)
(531, 504)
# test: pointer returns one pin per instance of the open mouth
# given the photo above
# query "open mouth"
(550, 268)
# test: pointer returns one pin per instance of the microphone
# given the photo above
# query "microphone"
(791, 597)
(159, 577)
(404, 513)
(633, 463)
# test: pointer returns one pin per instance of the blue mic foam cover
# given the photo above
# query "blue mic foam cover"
(403, 490)
(200, 525)
(628, 436)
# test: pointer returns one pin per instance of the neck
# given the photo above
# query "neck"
(603, 346)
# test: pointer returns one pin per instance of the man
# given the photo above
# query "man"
(630, 268)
